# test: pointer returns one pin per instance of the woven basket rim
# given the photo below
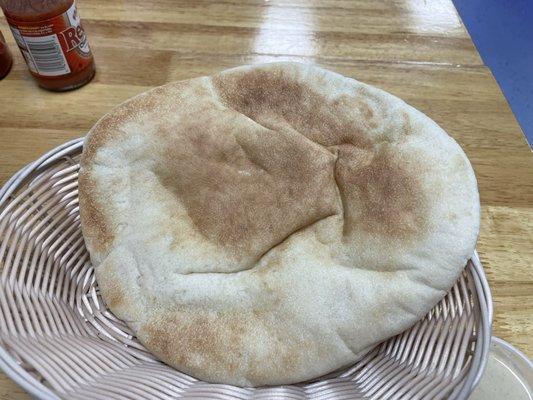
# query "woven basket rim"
(29, 383)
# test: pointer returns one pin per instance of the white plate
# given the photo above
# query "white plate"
(508, 376)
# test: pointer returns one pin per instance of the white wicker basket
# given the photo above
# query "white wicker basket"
(57, 339)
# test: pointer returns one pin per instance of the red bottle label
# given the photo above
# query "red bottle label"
(53, 47)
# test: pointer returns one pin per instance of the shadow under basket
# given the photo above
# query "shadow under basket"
(58, 340)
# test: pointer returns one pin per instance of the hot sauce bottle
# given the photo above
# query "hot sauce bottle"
(51, 39)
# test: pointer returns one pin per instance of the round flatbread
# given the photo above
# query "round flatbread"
(268, 224)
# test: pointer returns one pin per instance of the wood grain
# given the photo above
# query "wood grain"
(414, 49)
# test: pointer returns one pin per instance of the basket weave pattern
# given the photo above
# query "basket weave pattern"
(58, 340)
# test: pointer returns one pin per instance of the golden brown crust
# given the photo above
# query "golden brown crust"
(380, 195)
(219, 340)
(97, 230)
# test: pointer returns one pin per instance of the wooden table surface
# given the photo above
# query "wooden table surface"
(418, 50)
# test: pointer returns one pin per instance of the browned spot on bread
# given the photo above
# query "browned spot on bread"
(277, 100)
(290, 359)
(100, 134)
(258, 91)
(115, 298)
(111, 287)
(365, 117)
(382, 195)
(96, 227)
(246, 187)
(191, 340)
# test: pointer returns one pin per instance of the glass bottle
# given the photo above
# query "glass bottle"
(52, 41)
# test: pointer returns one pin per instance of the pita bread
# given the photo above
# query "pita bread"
(269, 224)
